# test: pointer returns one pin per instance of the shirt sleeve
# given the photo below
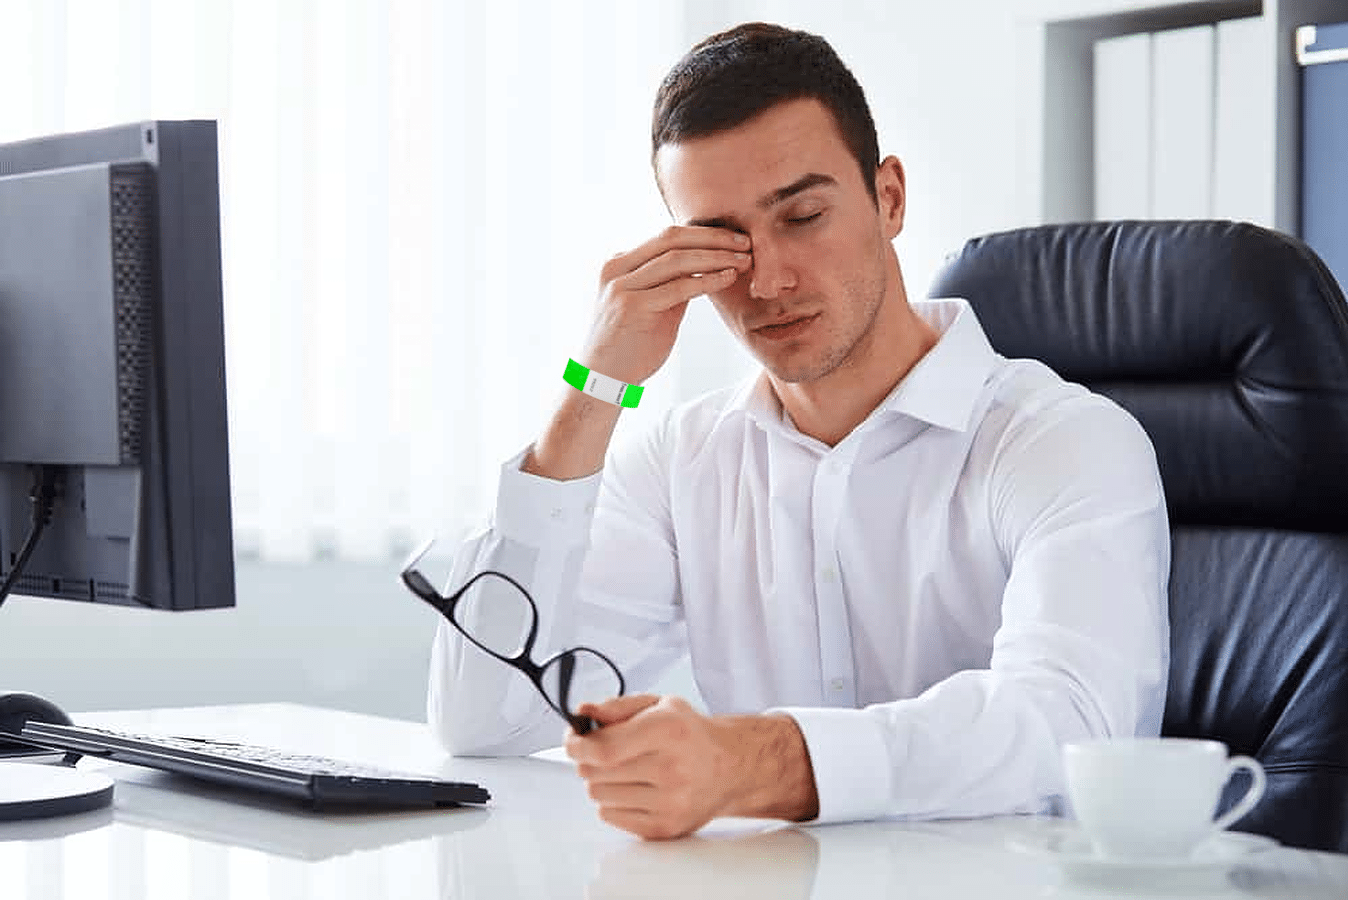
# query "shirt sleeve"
(1082, 650)
(621, 599)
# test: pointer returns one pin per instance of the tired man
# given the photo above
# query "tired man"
(906, 569)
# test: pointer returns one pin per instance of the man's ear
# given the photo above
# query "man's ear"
(891, 194)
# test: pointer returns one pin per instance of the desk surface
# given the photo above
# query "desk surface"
(170, 837)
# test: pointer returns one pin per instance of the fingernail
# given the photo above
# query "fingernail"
(741, 256)
(742, 239)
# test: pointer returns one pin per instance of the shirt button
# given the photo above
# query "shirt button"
(830, 574)
(557, 513)
(837, 684)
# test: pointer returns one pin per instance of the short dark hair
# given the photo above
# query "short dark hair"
(731, 77)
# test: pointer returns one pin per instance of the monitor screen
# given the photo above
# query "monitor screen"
(112, 377)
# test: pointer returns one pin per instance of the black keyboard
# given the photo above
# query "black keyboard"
(318, 780)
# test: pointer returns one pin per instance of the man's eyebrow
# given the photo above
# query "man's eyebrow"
(800, 185)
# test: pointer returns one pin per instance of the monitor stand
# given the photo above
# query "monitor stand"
(35, 791)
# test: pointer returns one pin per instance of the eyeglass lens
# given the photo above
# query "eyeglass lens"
(495, 614)
(592, 680)
(498, 616)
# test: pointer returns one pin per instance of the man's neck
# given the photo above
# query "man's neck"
(829, 409)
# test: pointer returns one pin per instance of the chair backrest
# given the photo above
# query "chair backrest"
(1229, 343)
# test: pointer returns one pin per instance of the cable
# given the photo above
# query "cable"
(46, 481)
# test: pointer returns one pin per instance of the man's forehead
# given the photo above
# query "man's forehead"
(789, 149)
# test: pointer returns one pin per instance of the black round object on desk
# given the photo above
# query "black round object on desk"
(32, 791)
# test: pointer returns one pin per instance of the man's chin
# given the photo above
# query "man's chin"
(790, 367)
(791, 374)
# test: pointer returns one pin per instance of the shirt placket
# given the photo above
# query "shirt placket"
(837, 672)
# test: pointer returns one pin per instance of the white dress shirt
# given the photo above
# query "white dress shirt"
(974, 576)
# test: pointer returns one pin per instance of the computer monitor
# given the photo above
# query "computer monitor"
(112, 378)
(114, 459)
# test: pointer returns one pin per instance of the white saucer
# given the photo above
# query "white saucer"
(1071, 849)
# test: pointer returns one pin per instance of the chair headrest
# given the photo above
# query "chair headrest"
(1228, 342)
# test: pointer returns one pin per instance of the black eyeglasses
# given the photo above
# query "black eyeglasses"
(567, 680)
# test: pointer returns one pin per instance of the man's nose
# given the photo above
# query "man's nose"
(770, 274)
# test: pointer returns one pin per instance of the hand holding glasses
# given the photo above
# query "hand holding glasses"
(499, 617)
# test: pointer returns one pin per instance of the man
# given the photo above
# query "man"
(907, 569)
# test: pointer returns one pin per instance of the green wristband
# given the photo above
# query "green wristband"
(610, 390)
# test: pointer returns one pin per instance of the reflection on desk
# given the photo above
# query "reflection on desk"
(240, 818)
(778, 862)
(55, 827)
(539, 838)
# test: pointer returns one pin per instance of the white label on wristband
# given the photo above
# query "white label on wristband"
(604, 387)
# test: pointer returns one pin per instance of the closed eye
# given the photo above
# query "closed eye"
(802, 220)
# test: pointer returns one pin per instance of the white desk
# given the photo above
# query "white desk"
(168, 837)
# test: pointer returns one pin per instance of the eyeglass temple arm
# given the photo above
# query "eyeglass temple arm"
(426, 591)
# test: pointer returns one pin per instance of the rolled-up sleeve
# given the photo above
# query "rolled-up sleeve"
(622, 600)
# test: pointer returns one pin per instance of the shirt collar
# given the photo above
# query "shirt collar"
(941, 389)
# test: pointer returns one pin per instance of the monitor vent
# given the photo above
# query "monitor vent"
(38, 584)
(134, 287)
(104, 591)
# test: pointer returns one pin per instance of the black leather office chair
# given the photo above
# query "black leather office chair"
(1229, 343)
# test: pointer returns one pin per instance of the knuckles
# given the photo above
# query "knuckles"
(613, 269)
(678, 704)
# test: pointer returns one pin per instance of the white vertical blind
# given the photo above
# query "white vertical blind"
(416, 198)
(429, 200)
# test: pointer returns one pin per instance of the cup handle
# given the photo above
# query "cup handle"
(1252, 795)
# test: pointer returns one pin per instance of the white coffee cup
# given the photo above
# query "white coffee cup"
(1149, 798)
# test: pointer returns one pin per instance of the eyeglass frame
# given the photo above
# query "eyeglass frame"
(522, 661)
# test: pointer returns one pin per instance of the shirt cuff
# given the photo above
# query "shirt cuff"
(539, 511)
(853, 772)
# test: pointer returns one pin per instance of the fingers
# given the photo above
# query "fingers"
(632, 795)
(617, 709)
(645, 292)
(646, 771)
(650, 724)
(658, 772)
(653, 796)
(679, 291)
(645, 805)
(680, 237)
(645, 824)
(623, 737)
(677, 266)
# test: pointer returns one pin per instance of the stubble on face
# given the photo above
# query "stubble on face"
(848, 327)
